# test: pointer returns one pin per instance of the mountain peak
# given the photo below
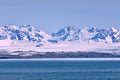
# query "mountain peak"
(69, 33)
(22, 33)
(106, 35)
(114, 29)
(68, 28)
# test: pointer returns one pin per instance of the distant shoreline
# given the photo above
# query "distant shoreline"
(64, 59)
(56, 55)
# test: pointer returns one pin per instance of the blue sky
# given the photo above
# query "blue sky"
(50, 15)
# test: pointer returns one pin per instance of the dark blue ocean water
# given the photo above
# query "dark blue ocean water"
(59, 70)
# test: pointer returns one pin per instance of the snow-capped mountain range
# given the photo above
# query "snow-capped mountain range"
(69, 34)
(108, 35)
(22, 33)
(69, 39)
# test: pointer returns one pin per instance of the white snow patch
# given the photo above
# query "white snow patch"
(13, 27)
(108, 39)
(5, 42)
(114, 29)
(60, 47)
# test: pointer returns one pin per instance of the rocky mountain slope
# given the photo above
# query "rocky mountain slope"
(107, 35)
(26, 33)
(25, 40)
(67, 34)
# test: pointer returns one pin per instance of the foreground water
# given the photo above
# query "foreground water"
(59, 70)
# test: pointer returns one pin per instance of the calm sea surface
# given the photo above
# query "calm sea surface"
(59, 70)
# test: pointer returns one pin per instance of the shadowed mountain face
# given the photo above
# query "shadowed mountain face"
(29, 33)
(26, 41)
(22, 33)
(108, 35)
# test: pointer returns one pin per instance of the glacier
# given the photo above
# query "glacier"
(25, 40)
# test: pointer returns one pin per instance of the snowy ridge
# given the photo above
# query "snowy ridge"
(108, 35)
(67, 34)
(12, 35)
(27, 41)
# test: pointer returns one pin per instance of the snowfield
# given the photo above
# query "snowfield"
(62, 47)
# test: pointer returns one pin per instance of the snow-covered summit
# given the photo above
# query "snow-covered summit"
(86, 34)
(67, 34)
(69, 39)
(22, 33)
